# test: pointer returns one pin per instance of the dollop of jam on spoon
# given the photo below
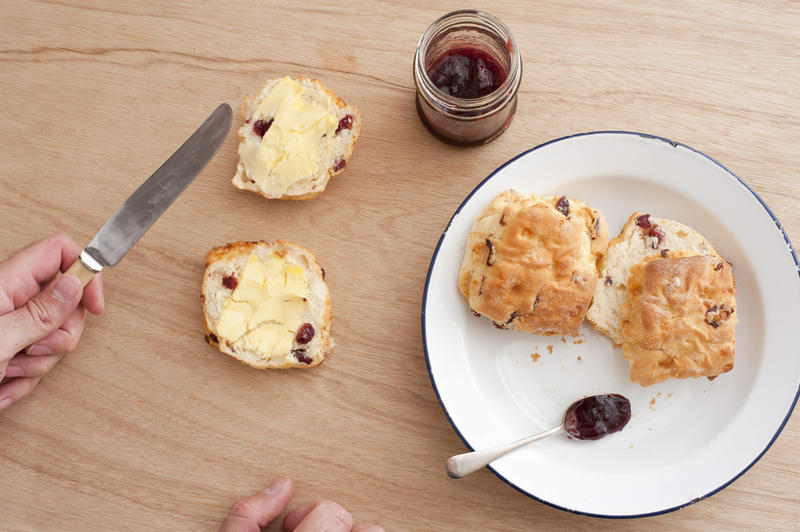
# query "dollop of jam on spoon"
(593, 417)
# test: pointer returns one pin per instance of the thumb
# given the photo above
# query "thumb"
(253, 513)
(39, 316)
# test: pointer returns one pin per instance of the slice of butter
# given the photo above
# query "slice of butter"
(295, 143)
(267, 307)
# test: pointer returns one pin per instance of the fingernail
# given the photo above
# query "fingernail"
(278, 486)
(14, 371)
(37, 350)
(66, 288)
(5, 402)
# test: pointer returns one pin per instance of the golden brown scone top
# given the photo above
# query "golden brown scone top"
(679, 319)
(529, 266)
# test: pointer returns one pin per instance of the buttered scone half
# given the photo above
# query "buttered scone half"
(296, 136)
(679, 318)
(641, 237)
(530, 262)
(267, 304)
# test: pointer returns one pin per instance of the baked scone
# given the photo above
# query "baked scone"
(641, 237)
(679, 318)
(530, 262)
(267, 304)
(296, 136)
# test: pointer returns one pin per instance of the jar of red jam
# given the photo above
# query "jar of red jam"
(467, 70)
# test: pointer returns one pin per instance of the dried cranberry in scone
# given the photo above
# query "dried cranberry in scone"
(718, 314)
(260, 127)
(300, 355)
(562, 205)
(304, 334)
(656, 233)
(345, 123)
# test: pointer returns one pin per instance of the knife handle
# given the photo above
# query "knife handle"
(82, 271)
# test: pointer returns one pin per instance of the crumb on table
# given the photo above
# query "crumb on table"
(535, 356)
(550, 349)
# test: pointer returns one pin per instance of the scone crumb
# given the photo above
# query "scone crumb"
(535, 356)
(550, 349)
(579, 358)
(564, 340)
(578, 341)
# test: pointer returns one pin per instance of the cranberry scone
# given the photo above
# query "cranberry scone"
(679, 318)
(641, 237)
(297, 134)
(530, 262)
(267, 304)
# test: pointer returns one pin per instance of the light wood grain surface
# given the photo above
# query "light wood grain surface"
(145, 427)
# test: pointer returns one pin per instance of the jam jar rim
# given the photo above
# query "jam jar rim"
(495, 100)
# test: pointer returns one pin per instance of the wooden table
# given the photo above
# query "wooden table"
(146, 427)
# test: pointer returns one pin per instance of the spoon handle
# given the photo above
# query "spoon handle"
(466, 463)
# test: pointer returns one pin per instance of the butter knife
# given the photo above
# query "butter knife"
(121, 232)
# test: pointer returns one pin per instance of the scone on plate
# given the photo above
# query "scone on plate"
(641, 237)
(530, 262)
(679, 318)
(267, 304)
(296, 136)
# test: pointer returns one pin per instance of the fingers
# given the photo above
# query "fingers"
(64, 339)
(37, 263)
(93, 295)
(252, 513)
(39, 316)
(22, 274)
(319, 515)
(15, 389)
(32, 366)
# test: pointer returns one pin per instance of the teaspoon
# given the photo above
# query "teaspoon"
(590, 418)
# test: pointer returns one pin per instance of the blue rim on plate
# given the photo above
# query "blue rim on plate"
(425, 340)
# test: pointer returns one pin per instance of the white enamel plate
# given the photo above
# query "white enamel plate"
(688, 438)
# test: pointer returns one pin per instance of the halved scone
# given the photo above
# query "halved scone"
(267, 304)
(641, 237)
(530, 262)
(296, 136)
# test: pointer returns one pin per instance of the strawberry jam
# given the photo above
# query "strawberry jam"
(467, 73)
(593, 417)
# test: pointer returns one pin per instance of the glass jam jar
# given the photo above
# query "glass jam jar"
(467, 70)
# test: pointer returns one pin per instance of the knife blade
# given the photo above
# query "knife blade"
(148, 202)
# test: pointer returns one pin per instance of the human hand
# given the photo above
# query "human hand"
(252, 513)
(40, 321)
